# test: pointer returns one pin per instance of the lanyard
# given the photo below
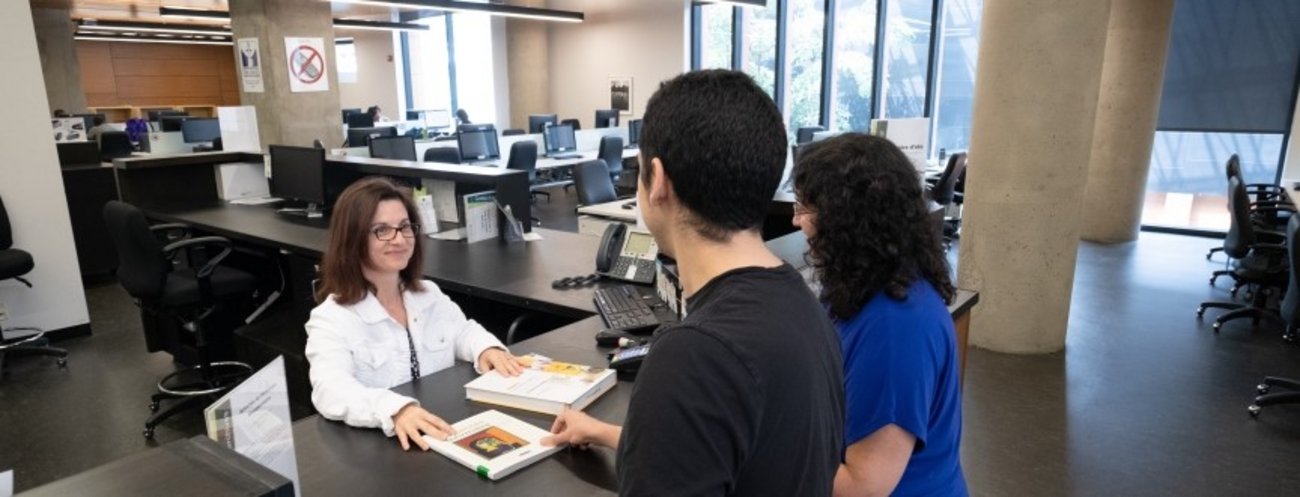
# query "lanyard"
(415, 361)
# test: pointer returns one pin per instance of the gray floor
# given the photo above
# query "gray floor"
(1145, 400)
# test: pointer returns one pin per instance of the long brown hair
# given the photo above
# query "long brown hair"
(349, 245)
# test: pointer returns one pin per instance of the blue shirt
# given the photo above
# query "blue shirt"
(901, 367)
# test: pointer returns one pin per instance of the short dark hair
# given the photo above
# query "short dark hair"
(723, 144)
(349, 241)
(874, 231)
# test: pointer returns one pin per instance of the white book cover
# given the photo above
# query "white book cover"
(546, 386)
(493, 444)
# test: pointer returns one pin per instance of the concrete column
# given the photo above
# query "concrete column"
(54, 31)
(1127, 106)
(529, 66)
(1031, 134)
(285, 117)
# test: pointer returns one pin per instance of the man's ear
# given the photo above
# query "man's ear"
(659, 189)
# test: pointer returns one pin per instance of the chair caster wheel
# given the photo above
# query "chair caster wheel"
(1261, 388)
(1216, 326)
(1200, 311)
(153, 407)
(148, 433)
(1253, 410)
(62, 362)
(1213, 279)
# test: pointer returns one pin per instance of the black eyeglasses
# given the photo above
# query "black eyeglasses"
(385, 233)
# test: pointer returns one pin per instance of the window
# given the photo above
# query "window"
(345, 56)
(429, 67)
(1187, 185)
(475, 81)
(758, 45)
(907, 57)
(955, 88)
(807, 19)
(716, 29)
(854, 51)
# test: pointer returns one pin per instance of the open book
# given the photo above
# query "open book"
(546, 386)
(493, 444)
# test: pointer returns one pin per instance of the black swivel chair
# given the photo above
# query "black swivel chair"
(513, 132)
(944, 192)
(463, 116)
(592, 181)
(523, 157)
(611, 151)
(1271, 207)
(577, 125)
(1260, 265)
(190, 295)
(114, 144)
(15, 263)
(1290, 313)
(805, 134)
(445, 155)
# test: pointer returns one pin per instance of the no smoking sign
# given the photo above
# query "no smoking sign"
(307, 68)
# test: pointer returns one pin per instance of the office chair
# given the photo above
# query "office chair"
(523, 157)
(805, 134)
(577, 125)
(445, 155)
(1260, 265)
(463, 116)
(191, 295)
(593, 183)
(944, 192)
(611, 151)
(1291, 314)
(1271, 201)
(513, 132)
(114, 144)
(15, 263)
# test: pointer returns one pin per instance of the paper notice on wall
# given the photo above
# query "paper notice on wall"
(253, 420)
(912, 136)
(69, 129)
(307, 69)
(250, 65)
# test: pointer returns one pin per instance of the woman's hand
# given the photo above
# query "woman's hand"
(577, 429)
(499, 360)
(412, 421)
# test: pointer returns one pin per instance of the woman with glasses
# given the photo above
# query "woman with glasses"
(884, 279)
(379, 324)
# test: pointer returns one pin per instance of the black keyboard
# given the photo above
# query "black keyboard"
(630, 307)
(565, 156)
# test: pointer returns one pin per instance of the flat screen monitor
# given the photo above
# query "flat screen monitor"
(200, 130)
(78, 153)
(634, 132)
(349, 112)
(360, 137)
(537, 122)
(298, 173)
(156, 114)
(360, 120)
(90, 119)
(437, 118)
(560, 139)
(393, 147)
(478, 142)
(171, 123)
(607, 118)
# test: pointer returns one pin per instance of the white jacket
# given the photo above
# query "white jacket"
(357, 352)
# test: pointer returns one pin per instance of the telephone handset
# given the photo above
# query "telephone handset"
(626, 254)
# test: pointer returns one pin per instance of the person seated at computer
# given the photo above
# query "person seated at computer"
(375, 114)
(98, 126)
(60, 113)
(379, 324)
(745, 395)
(885, 281)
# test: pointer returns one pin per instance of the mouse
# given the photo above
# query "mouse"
(629, 205)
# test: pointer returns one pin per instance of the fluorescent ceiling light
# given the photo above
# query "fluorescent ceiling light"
(495, 9)
(149, 27)
(742, 3)
(192, 13)
(171, 41)
(344, 41)
(378, 25)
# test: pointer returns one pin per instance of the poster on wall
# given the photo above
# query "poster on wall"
(69, 129)
(306, 58)
(250, 65)
(620, 95)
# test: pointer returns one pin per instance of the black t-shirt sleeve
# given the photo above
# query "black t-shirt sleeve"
(692, 419)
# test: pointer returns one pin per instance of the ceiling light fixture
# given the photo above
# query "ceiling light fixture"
(149, 27)
(378, 25)
(495, 9)
(137, 39)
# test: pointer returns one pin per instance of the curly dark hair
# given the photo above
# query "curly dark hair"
(873, 230)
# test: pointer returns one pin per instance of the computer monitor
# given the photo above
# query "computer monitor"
(537, 122)
(78, 153)
(559, 138)
(393, 147)
(360, 120)
(204, 130)
(633, 133)
(171, 123)
(478, 142)
(360, 137)
(156, 114)
(349, 112)
(437, 118)
(90, 119)
(298, 174)
(607, 118)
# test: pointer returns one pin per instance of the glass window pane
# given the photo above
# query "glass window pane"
(475, 81)
(430, 84)
(1187, 186)
(804, 53)
(955, 89)
(758, 57)
(907, 56)
(855, 46)
(715, 29)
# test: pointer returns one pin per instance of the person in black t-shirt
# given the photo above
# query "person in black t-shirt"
(745, 396)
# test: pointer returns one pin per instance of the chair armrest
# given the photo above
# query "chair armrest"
(1269, 247)
(205, 241)
(170, 231)
(1266, 186)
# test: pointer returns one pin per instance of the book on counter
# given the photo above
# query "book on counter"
(493, 444)
(546, 386)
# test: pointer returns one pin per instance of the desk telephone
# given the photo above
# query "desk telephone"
(627, 255)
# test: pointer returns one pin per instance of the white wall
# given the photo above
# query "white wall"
(1291, 163)
(376, 75)
(644, 39)
(32, 187)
